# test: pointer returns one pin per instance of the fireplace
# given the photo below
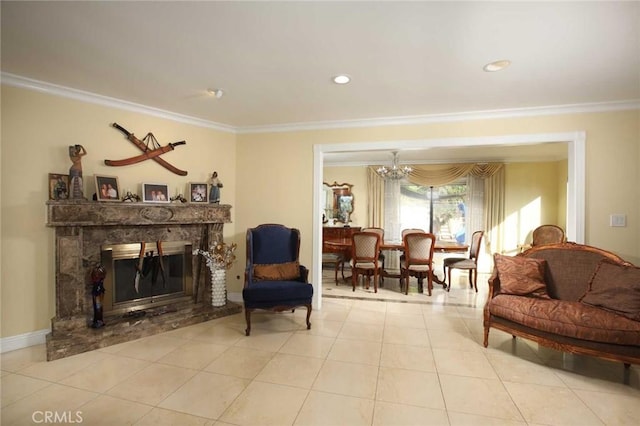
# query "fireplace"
(144, 275)
(89, 233)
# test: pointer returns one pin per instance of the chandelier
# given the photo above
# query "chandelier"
(395, 172)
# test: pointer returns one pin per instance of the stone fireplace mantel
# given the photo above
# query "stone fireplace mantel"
(83, 227)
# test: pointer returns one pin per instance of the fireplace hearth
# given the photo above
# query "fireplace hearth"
(86, 234)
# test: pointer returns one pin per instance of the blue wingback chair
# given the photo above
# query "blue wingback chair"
(274, 279)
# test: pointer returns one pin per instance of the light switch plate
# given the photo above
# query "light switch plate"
(617, 219)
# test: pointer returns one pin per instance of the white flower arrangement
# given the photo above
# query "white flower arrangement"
(219, 256)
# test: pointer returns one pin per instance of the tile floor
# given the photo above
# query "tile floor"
(380, 359)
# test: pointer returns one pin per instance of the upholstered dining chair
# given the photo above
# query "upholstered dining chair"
(274, 279)
(406, 232)
(547, 234)
(411, 231)
(336, 260)
(365, 248)
(379, 231)
(418, 259)
(470, 263)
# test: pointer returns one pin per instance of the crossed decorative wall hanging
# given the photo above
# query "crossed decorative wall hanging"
(151, 150)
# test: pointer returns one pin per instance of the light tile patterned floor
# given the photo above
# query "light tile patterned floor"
(378, 359)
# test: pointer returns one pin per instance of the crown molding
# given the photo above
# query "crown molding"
(81, 95)
(449, 117)
(54, 89)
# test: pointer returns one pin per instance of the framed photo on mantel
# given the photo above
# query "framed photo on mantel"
(107, 188)
(155, 193)
(198, 192)
(58, 186)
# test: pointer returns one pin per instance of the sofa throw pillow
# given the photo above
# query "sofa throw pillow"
(616, 288)
(276, 271)
(522, 276)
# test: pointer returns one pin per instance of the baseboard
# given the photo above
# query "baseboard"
(12, 343)
(235, 297)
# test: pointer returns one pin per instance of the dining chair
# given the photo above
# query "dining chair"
(418, 260)
(365, 248)
(411, 231)
(408, 231)
(336, 261)
(470, 263)
(379, 231)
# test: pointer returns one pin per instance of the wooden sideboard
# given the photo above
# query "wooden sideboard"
(336, 233)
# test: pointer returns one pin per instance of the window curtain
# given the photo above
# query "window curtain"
(375, 199)
(491, 219)
(494, 211)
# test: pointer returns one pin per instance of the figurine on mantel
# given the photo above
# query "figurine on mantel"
(76, 152)
(214, 192)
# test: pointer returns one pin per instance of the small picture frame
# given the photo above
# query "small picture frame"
(155, 193)
(107, 188)
(198, 192)
(58, 186)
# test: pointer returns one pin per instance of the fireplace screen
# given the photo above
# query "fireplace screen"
(142, 275)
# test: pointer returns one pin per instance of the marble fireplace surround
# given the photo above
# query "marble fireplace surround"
(82, 227)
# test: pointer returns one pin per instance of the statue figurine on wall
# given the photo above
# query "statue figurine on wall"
(214, 192)
(98, 274)
(76, 152)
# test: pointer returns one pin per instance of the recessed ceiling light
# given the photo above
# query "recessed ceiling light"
(497, 65)
(341, 79)
(216, 92)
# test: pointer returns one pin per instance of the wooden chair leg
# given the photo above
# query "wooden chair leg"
(308, 317)
(354, 278)
(430, 281)
(247, 317)
(449, 286)
(475, 279)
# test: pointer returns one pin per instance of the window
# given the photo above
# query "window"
(452, 212)
(439, 209)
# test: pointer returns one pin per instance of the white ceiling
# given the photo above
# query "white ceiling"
(275, 60)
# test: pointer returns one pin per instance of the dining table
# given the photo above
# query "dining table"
(441, 246)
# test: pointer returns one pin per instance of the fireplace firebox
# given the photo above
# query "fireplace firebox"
(144, 275)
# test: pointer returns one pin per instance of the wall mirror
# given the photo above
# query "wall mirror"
(338, 202)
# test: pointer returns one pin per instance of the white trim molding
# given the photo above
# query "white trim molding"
(448, 117)
(12, 343)
(81, 95)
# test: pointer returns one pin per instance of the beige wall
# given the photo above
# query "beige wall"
(532, 198)
(36, 131)
(268, 177)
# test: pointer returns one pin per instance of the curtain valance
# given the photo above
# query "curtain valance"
(443, 174)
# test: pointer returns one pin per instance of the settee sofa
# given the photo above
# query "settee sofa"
(570, 297)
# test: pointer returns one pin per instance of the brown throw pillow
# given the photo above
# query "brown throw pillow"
(615, 288)
(522, 276)
(276, 271)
